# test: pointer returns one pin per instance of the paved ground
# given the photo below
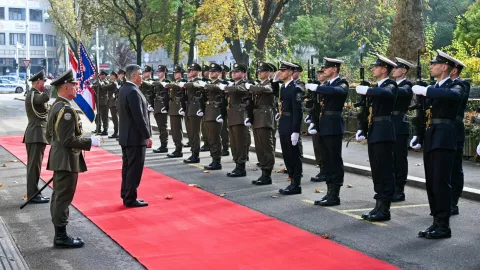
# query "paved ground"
(394, 241)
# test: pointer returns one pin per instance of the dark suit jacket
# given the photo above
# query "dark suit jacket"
(333, 97)
(133, 116)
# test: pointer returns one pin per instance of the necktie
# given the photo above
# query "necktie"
(437, 85)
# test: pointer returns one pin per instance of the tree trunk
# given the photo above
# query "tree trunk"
(193, 37)
(178, 35)
(408, 31)
(138, 39)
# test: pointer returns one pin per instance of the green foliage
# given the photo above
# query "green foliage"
(468, 26)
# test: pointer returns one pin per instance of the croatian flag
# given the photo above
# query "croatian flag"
(73, 62)
(85, 96)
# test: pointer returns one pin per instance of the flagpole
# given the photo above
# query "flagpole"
(97, 49)
(66, 54)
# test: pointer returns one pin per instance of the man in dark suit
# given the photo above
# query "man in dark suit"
(36, 108)
(134, 135)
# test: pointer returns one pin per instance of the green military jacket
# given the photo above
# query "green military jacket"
(176, 94)
(236, 110)
(147, 90)
(36, 106)
(112, 90)
(214, 102)
(65, 135)
(101, 91)
(160, 96)
(194, 94)
(264, 103)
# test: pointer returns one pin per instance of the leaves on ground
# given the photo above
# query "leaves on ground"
(169, 197)
(325, 236)
(14, 160)
(25, 197)
(349, 186)
(223, 195)
(1, 185)
(206, 171)
(4, 165)
(194, 185)
(274, 196)
(289, 179)
(318, 191)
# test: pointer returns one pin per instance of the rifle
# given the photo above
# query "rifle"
(249, 98)
(419, 121)
(37, 193)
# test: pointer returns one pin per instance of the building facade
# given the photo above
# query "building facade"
(13, 28)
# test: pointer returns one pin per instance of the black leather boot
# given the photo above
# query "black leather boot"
(454, 209)
(399, 195)
(205, 148)
(382, 214)
(62, 240)
(329, 192)
(187, 145)
(373, 211)
(441, 231)
(193, 159)
(176, 154)
(291, 190)
(333, 199)
(429, 229)
(239, 171)
(162, 149)
(265, 179)
(215, 165)
(104, 133)
(113, 136)
(225, 153)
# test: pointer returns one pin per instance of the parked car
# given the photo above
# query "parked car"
(7, 86)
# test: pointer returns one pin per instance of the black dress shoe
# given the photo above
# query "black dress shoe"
(439, 233)
(175, 154)
(429, 229)
(192, 159)
(214, 166)
(454, 210)
(225, 153)
(330, 201)
(291, 190)
(382, 214)
(237, 173)
(373, 211)
(258, 164)
(160, 149)
(68, 242)
(105, 133)
(40, 199)
(136, 203)
(113, 136)
(398, 197)
(205, 148)
(187, 145)
(263, 182)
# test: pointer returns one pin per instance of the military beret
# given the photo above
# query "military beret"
(194, 67)
(178, 69)
(382, 61)
(331, 62)
(121, 71)
(284, 65)
(298, 68)
(264, 66)
(40, 76)
(103, 72)
(215, 68)
(147, 68)
(66, 77)
(162, 68)
(239, 67)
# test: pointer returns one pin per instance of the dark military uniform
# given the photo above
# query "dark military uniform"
(239, 133)
(205, 147)
(101, 90)
(36, 107)
(192, 120)
(64, 133)
(112, 89)
(147, 89)
(160, 112)
(176, 103)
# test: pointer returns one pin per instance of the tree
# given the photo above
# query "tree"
(468, 26)
(408, 33)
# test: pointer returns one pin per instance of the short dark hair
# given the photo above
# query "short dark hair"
(130, 69)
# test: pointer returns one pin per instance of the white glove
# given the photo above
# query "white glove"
(362, 89)
(199, 84)
(478, 149)
(294, 137)
(230, 83)
(247, 85)
(308, 119)
(413, 143)
(277, 117)
(219, 119)
(359, 137)
(181, 84)
(311, 86)
(181, 112)
(311, 129)
(276, 78)
(163, 110)
(419, 90)
(199, 113)
(222, 86)
(150, 108)
(96, 140)
(247, 122)
(163, 84)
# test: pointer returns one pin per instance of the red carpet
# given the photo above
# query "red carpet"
(196, 229)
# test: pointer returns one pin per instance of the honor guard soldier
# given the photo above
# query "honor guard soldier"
(331, 128)
(457, 170)
(379, 130)
(263, 119)
(160, 106)
(401, 125)
(225, 131)
(290, 119)
(176, 109)
(440, 142)
(236, 111)
(121, 78)
(112, 89)
(205, 78)
(214, 116)
(194, 113)
(36, 106)
(102, 102)
(65, 135)
(147, 90)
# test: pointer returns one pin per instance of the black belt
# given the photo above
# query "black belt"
(287, 113)
(381, 118)
(332, 113)
(459, 118)
(441, 121)
(398, 113)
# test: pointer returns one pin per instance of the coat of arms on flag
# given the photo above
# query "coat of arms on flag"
(85, 98)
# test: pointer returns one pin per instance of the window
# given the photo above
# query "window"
(2, 38)
(51, 41)
(36, 15)
(17, 14)
(14, 37)
(36, 39)
(2, 13)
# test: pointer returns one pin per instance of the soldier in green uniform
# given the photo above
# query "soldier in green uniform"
(206, 78)
(36, 106)
(102, 103)
(64, 133)
(147, 90)
(160, 108)
(112, 89)
(176, 109)
(194, 111)
(224, 134)
(236, 110)
(214, 117)
(263, 119)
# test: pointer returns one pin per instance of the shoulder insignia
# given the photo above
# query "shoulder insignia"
(344, 85)
(67, 116)
(390, 86)
(299, 97)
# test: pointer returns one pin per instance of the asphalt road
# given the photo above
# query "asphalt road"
(394, 241)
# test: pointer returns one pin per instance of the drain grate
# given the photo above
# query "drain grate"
(10, 256)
